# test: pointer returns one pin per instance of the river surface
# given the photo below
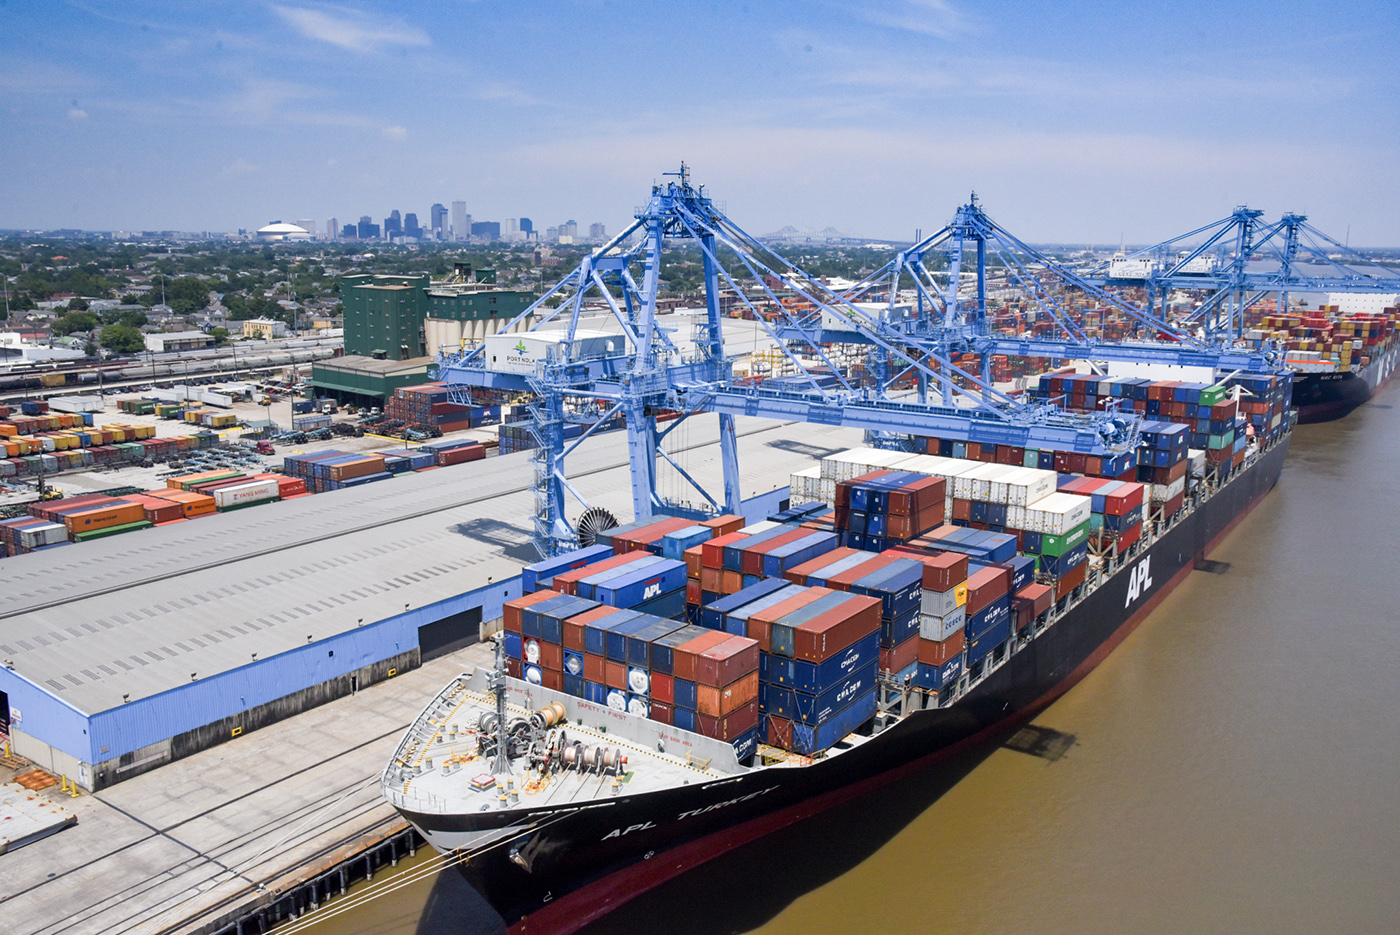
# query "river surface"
(1234, 766)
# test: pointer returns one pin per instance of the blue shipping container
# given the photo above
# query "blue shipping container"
(808, 740)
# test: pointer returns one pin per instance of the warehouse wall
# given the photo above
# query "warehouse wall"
(145, 734)
(39, 720)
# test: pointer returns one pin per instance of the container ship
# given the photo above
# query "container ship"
(1339, 360)
(681, 688)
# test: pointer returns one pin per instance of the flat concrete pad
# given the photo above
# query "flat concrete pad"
(178, 848)
(27, 816)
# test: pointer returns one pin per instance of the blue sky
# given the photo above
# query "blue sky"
(1072, 121)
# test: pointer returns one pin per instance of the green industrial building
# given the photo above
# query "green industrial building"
(396, 324)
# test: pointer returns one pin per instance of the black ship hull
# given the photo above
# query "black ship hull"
(1325, 397)
(568, 865)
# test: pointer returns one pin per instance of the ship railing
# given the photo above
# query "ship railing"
(425, 802)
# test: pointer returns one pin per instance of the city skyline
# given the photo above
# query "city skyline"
(1087, 124)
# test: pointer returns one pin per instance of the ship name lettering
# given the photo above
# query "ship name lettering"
(619, 832)
(1139, 580)
(710, 808)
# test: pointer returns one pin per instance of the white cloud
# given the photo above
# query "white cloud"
(77, 115)
(239, 166)
(348, 30)
(929, 17)
(396, 134)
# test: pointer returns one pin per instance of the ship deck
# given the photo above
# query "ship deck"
(436, 764)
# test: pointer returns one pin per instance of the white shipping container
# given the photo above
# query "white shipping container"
(76, 404)
(941, 628)
(1028, 486)
(243, 494)
(761, 526)
(34, 537)
(1061, 512)
(938, 603)
(522, 353)
(1161, 493)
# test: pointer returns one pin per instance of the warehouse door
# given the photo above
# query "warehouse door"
(4, 714)
(450, 634)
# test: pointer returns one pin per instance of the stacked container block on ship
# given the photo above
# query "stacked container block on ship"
(627, 658)
(883, 508)
(1117, 509)
(818, 656)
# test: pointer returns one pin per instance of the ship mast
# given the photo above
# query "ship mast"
(497, 683)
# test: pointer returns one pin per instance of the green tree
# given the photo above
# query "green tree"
(124, 339)
(133, 318)
(220, 335)
(77, 305)
(186, 294)
(75, 321)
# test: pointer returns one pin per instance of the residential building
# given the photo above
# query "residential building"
(263, 328)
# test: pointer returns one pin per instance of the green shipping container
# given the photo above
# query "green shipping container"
(110, 531)
(1059, 545)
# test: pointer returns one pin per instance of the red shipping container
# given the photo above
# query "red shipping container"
(798, 575)
(594, 669)
(717, 702)
(692, 558)
(640, 540)
(663, 688)
(844, 580)
(712, 552)
(943, 570)
(962, 509)
(724, 524)
(917, 496)
(730, 726)
(661, 712)
(710, 580)
(1071, 581)
(510, 610)
(685, 657)
(760, 626)
(827, 634)
(552, 680)
(459, 455)
(730, 582)
(575, 625)
(725, 662)
(513, 668)
(937, 652)
(692, 590)
(615, 674)
(1124, 500)
(985, 585)
(752, 559)
(566, 582)
(779, 732)
(895, 660)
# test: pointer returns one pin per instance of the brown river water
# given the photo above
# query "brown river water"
(1233, 767)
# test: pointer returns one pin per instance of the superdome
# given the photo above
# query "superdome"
(279, 231)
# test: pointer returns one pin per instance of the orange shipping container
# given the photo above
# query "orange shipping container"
(191, 503)
(104, 517)
(717, 702)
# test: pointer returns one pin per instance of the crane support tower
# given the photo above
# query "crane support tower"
(641, 365)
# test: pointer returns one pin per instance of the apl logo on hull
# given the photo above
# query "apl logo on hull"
(1139, 580)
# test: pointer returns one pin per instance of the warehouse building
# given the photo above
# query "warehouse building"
(125, 653)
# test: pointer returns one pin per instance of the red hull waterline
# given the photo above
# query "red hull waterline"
(602, 896)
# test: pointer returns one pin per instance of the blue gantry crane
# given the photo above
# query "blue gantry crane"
(647, 367)
(1239, 260)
